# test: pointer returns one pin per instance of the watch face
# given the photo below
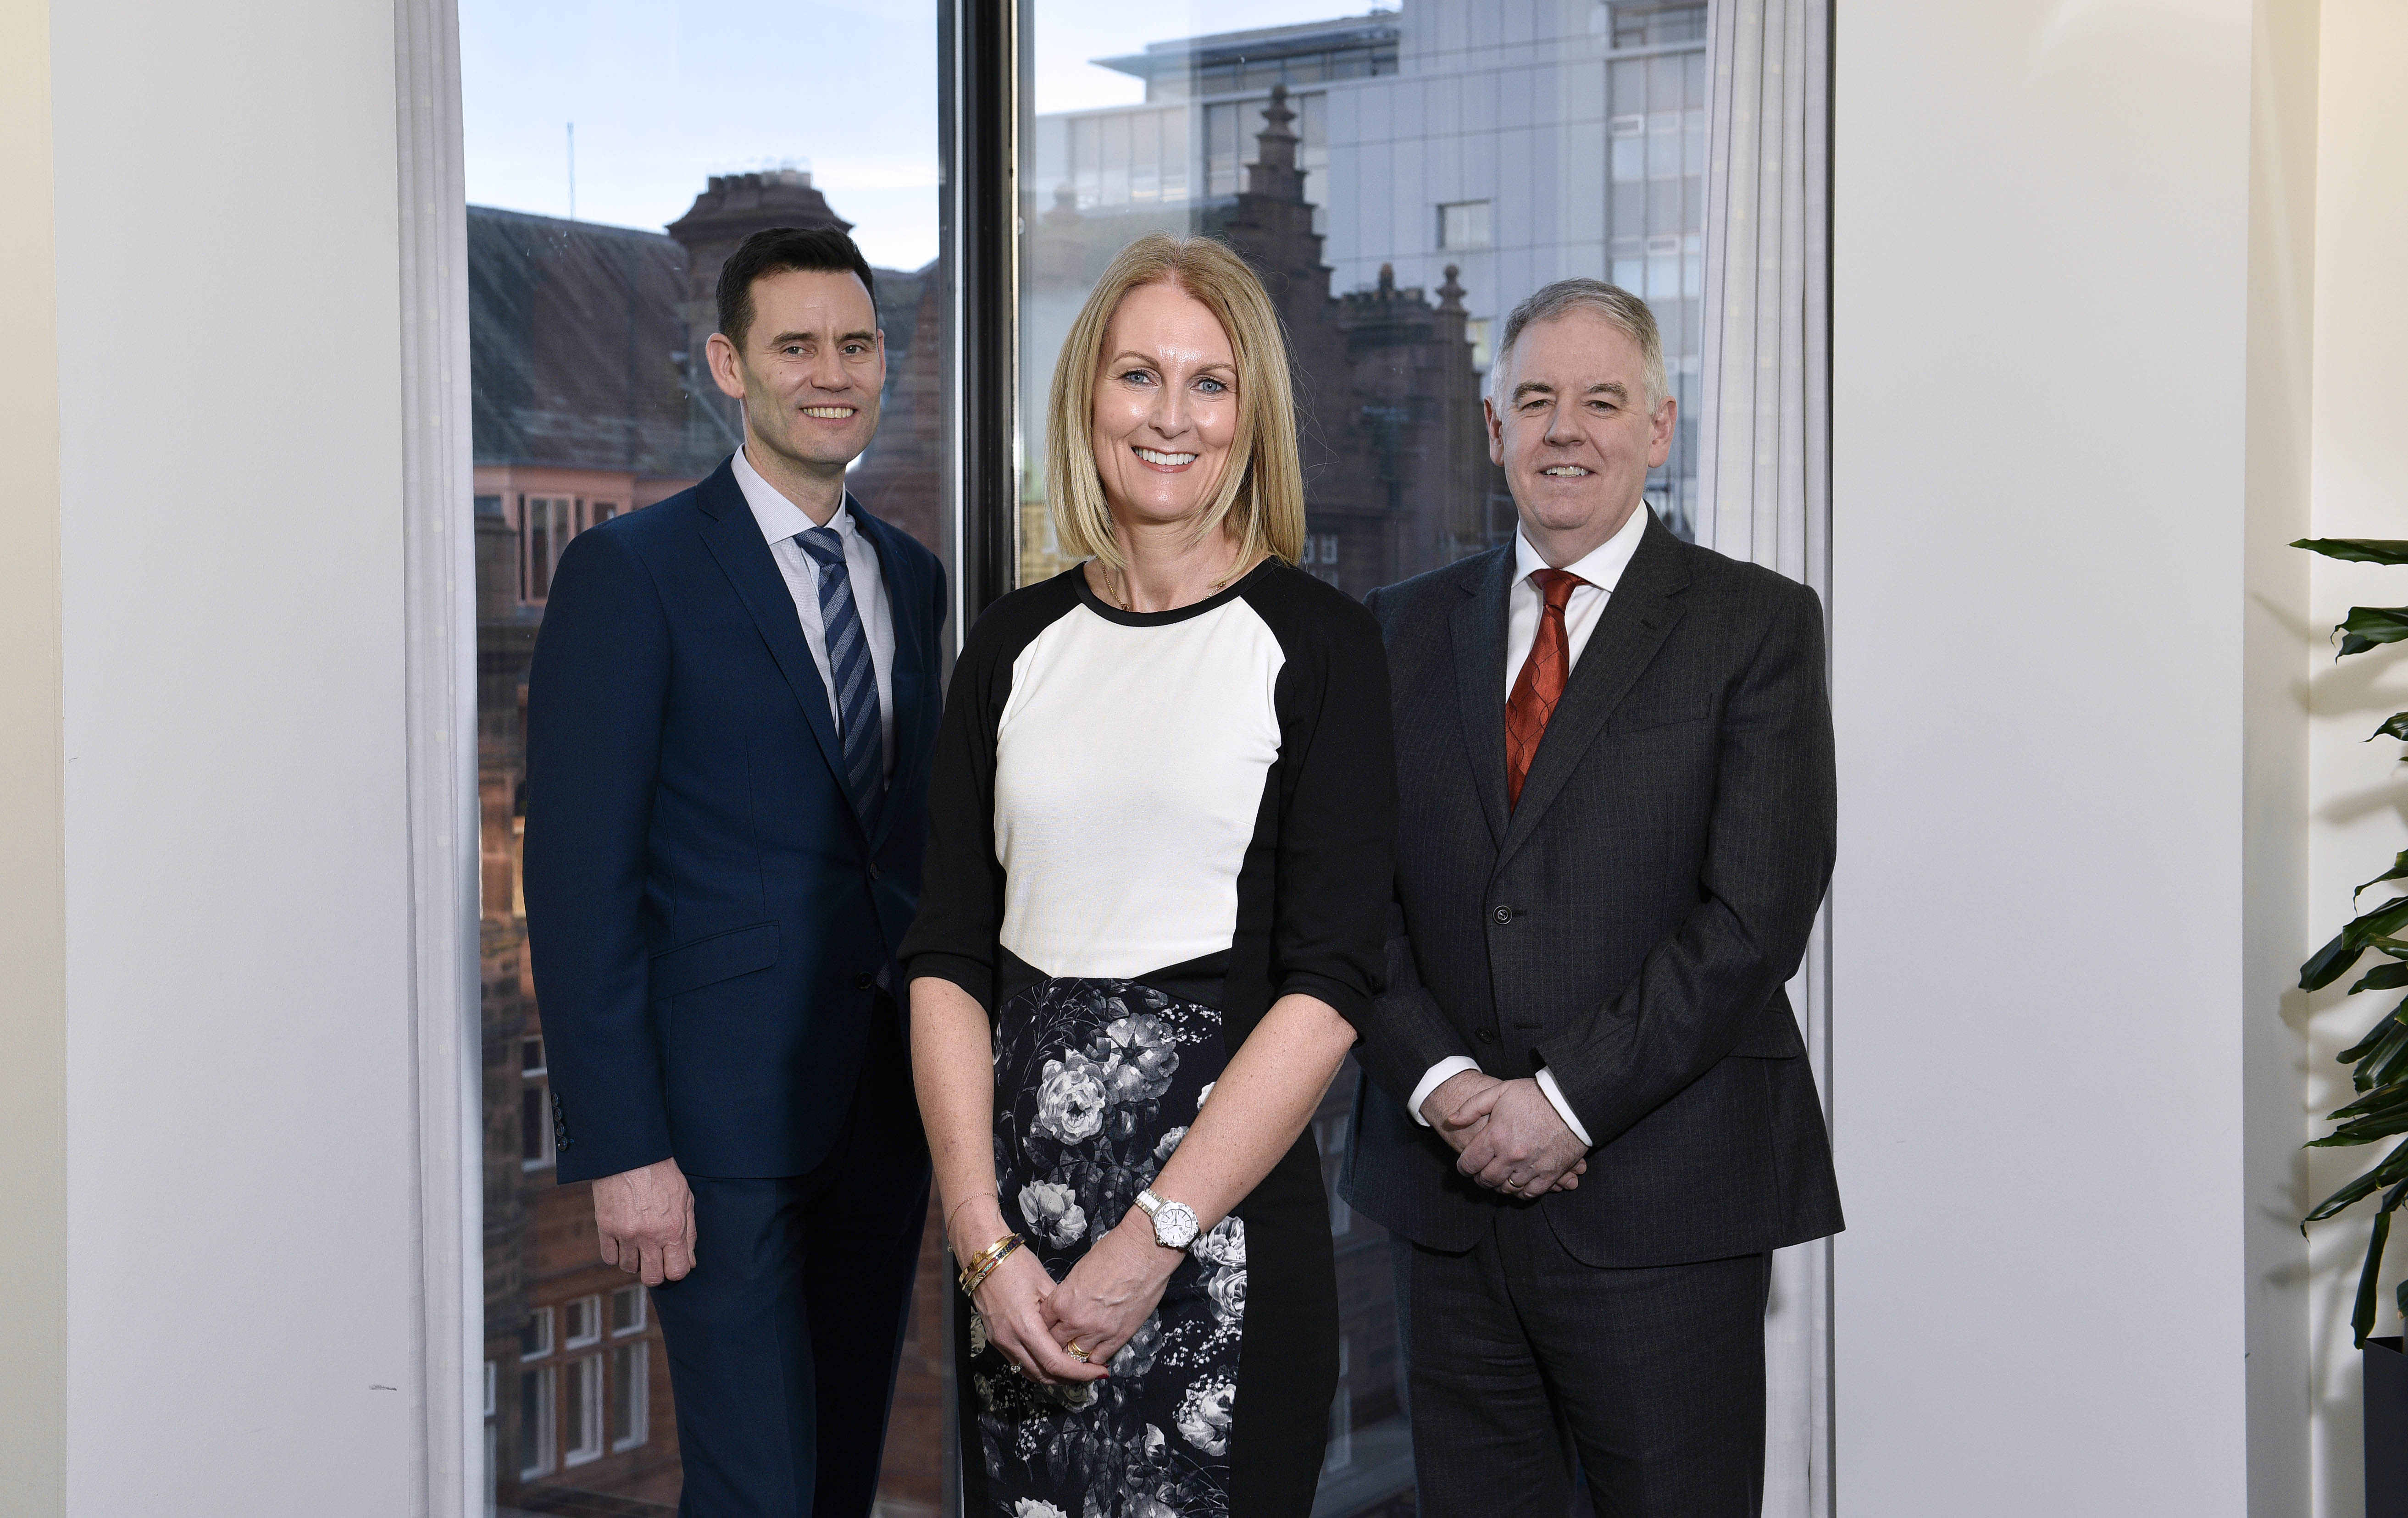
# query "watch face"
(1174, 1225)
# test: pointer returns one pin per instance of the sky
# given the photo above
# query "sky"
(667, 93)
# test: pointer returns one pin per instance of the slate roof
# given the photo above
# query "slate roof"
(577, 348)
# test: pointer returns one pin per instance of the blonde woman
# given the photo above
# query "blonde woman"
(1160, 841)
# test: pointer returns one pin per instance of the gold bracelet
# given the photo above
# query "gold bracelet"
(984, 1266)
(982, 1263)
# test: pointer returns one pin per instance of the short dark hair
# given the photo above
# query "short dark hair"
(822, 249)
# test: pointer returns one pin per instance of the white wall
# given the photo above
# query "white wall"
(239, 1097)
(2039, 530)
(2357, 794)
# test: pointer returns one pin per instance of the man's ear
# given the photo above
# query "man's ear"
(724, 370)
(1496, 430)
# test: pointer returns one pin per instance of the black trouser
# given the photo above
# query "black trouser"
(1524, 1360)
(783, 1339)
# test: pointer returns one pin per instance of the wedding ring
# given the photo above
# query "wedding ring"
(1076, 1352)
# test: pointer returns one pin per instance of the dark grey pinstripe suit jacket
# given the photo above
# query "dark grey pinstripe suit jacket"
(1631, 925)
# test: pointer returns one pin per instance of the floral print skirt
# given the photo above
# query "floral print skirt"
(1096, 1083)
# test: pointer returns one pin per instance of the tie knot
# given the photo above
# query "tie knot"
(1555, 585)
(823, 544)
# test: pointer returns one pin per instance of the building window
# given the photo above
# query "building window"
(598, 512)
(547, 522)
(531, 1057)
(1476, 333)
(490, 1379)
(626, 1310)
(534, 1335)
(585, 1410)
(534, 1127)
(582, 1319)
(489, 506)
(1465, 224)
(631, 1395)
(537, 1450)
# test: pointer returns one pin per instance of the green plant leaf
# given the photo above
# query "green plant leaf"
(2392, 1065)
(2359, 1189)
(2361, 1316)
(2396, 728)
(2381, 1033)
(2396, 948)
(2370, 626)
(2357, 550)
(2330, 963)
(2367, 1105)
(2382, 978)
(2399, 870)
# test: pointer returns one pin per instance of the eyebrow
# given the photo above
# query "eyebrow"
(1128, 355)
(782, 338)
(1604, 387)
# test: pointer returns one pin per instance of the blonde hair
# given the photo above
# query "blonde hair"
(1259, 497)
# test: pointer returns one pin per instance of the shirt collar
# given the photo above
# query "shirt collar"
(779, 517)
(1604, 564)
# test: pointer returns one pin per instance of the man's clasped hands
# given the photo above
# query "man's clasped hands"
(1509, 1137)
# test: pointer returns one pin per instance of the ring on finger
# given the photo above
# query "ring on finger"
(1076, 1352)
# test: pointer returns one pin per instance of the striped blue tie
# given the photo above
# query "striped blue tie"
(857, 682)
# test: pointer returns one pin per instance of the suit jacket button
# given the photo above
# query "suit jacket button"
(873, 872)
(1504, 914)
(1486, 1035)
(863, 981)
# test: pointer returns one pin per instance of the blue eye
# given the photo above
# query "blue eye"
(1210, 386)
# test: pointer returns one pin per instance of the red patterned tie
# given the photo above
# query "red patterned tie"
(1540, 684)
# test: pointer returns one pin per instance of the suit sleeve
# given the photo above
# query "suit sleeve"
(597, 693)
(961, 883)
(1338, 817)
(1404, 1031)
(1771, 837)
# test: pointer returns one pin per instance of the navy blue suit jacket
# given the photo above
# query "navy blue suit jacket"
(707, 913)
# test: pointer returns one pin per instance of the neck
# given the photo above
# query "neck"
(1568, 547)
(818, 489)
(1165, 568)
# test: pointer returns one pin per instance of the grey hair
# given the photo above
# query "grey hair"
(1626, 311)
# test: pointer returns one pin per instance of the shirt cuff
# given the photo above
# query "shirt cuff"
(1454, 1065)
(1563, 1108)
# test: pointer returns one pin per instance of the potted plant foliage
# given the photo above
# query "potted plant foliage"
(2378, 1072)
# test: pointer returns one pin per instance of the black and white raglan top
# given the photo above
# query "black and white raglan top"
(1204, 797)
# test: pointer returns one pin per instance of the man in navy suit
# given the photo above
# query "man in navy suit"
(729, 720)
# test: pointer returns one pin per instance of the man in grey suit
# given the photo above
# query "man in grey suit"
(1588, 1117)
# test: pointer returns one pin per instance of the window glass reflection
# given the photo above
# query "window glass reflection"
(1400, 178)
(591, 276)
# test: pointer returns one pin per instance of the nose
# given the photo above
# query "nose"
(1560, 430)
(1169, 417)
(827, 370)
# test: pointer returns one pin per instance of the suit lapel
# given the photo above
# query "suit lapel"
(1478, 627)
(734, 540)
(908, 678)
(1637, 618)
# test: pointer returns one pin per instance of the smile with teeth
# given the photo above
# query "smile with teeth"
(1565, 471)
(828, 413)
(1166, 461)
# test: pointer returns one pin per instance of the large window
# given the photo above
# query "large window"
(1454, 156)
(615, 156)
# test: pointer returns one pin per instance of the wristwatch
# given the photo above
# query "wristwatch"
(1174, 1222)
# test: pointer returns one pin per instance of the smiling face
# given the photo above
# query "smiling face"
(808, 369)
(1165, 410)
(1573, 428)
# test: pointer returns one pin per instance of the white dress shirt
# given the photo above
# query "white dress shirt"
(1602, 568)
(781, 519)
